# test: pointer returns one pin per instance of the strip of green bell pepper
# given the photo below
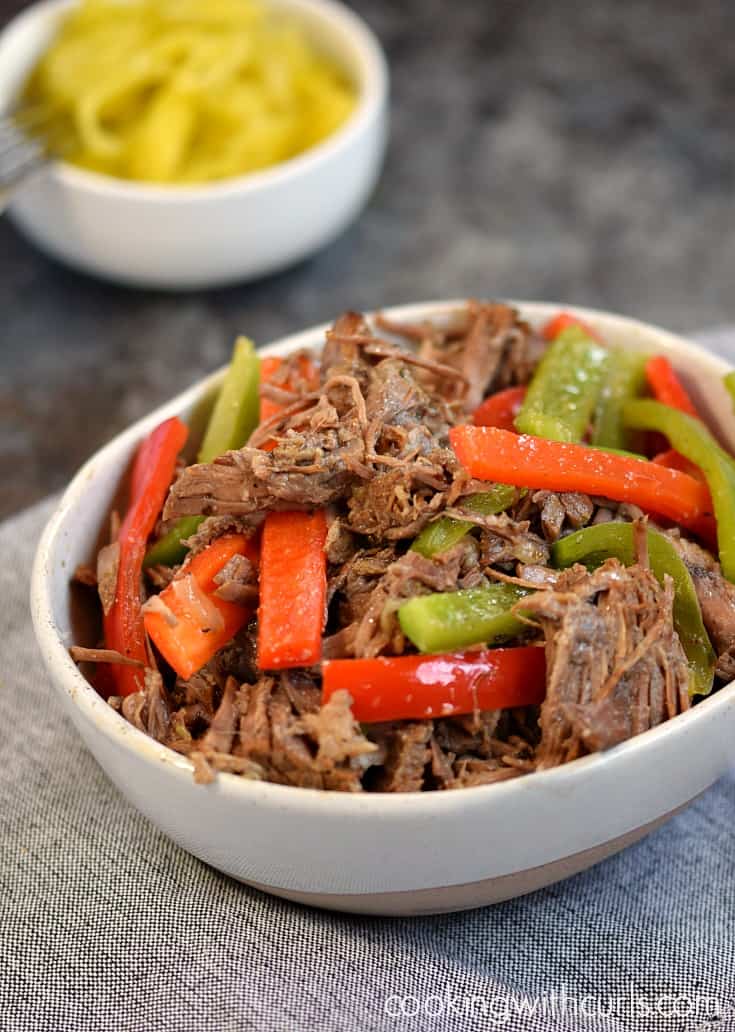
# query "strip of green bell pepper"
(625, 380)
(446, 622)
(592, 545)
(564, 390)
(691, 438)
(445, 532)
(234, 417)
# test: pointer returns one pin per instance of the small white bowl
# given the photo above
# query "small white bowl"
(387, 854)
(180, 237)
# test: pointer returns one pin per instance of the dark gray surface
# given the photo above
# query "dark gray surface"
(577, 151)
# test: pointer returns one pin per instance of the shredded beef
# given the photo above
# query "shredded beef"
(497, 350)
(615, 665)
(362, 431)
(343, 349)
(557, 508)
(215, 526)
(237, 581)
(301, 472)
(393, 506)
(303, 690)
(372, 605)
(222, 730)
(82, 655)
(716, 599)
(472, 772)
(354, 580)
(407, 752)
(108, 559)
(395, 398)
(271, 729)
(238, 657)
(341, 543)
(160, 576)
(504, 541)
(375, 437)
(337, 734)
(149, 709)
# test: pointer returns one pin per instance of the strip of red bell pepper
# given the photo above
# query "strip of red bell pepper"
(500, 409)
(293, 589)
(562, 322)
(152, 473)
(421, 687)
(192, 641)
(667, 387)
(524, 461)
(672, 459)
(704, 527)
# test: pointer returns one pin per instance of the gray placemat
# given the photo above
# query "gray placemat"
(104, 924)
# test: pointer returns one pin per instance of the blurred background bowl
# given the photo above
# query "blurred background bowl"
(183, 237)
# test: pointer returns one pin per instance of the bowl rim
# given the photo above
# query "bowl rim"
(67, 677)
(371, 101)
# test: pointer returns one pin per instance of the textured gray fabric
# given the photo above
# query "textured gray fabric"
(104, 924)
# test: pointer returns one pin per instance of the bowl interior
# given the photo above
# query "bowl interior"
(72, 533)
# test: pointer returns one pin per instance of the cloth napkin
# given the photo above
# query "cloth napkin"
(105, 924)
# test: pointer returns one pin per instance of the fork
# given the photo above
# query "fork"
(22, 153)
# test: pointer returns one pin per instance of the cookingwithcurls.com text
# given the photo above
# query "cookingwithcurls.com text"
(500, 1007)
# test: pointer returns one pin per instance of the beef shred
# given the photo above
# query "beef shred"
(615, 665)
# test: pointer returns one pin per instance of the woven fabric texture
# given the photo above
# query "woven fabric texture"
(104, 924)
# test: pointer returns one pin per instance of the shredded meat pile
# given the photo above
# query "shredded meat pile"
(614, 663)
(369, 443)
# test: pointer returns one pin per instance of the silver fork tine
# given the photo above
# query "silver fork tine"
(28, 117)
(20, 154)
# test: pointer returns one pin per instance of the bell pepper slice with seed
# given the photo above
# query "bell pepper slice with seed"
(490, 454)
(501, 408)
(691, 438)
(450, 621)
(563, 393)
(422, 687)
(233, 419)
(445, 532)
(153, 471)
(201, 623)
(625, 380)
(293, 589)
(592, 545)
(667, 387)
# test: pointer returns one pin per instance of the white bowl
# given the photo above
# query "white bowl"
(386, 854)
(179, 237)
